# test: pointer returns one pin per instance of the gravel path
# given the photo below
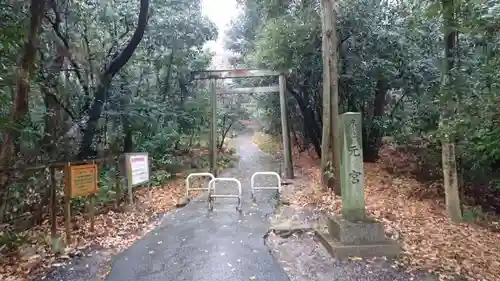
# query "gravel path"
(304, 258)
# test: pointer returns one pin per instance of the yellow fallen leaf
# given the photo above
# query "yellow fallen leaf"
(252, 278)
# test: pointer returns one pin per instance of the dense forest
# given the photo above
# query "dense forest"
(90, 79)
(391, 60)
(94, 79)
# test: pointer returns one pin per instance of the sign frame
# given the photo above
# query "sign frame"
(70, 180)
(128, 171)
(128, 168)
(69, 194)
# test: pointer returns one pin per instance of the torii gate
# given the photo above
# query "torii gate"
(213, 75)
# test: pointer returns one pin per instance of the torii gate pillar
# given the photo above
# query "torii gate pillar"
(287, 148)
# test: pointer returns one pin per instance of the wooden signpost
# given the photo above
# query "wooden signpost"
(81, 180)
(137, 171)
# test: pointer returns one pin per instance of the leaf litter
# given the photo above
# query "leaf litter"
(430, 242)
(113, 230)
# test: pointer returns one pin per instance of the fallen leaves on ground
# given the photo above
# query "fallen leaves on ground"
(429, 240)
(267, 143)
(113, 230)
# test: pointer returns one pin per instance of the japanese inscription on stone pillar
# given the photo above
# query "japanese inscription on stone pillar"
(352, 175)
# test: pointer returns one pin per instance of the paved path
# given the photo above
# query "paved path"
(195, 244)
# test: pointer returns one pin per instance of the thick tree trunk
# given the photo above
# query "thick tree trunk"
(447, 106)
(333, 82)
(105, 81)
(327, 94)
(451, 181)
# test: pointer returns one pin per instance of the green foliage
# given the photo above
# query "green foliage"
(159, 177)
(473, 214)
(392, 48)
(230, 109)
(150, 106)
(12, 240)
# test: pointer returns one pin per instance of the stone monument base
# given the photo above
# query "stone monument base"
(365, 238)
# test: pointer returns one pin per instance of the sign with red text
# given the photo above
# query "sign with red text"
(137, 165)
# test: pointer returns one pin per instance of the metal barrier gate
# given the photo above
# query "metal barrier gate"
(197, 175)
(252, 183)
(211, 197)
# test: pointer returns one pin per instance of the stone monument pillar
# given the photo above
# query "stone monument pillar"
(353, 233)
(352, 175)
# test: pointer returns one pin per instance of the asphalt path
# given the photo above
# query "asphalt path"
(194, 243)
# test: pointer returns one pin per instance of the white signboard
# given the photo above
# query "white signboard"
(138, 168)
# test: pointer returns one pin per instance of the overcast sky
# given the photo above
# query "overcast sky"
(220, 12)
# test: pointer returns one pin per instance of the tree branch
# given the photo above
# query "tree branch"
(105, 79)
(57, 29)
(90, 59)
(343, 40)
(127, 52)
(115, 43)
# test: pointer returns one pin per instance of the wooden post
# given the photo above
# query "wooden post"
(53, 203)
(67, 202)
(126, 168)
(92, 212)
(53, 209)
(92, 205)
(287, 149)
(213, 128)
(118, 188)
(130, 196)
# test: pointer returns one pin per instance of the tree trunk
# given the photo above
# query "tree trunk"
(327, 116)
(331, 137)
(310, 124)
(333, 58)
(53, 121)
(53, 117)
(105, 80)
(447, 105)
(20, 103)
(128, 144)
(166, 86)
(374, 138)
